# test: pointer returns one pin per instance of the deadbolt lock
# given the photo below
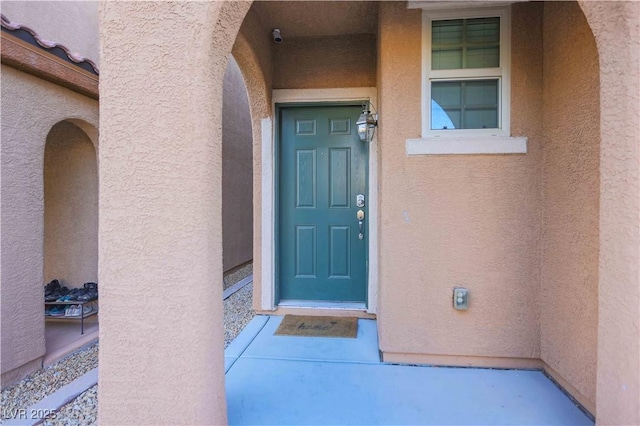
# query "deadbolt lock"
(360, 215)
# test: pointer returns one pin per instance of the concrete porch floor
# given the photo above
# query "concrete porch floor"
(278, 380)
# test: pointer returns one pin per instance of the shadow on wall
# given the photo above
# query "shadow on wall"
(70, 206)
(237, 171)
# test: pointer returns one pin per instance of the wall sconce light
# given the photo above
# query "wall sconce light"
(366, 123)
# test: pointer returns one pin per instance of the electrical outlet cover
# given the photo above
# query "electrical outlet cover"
(460, 298)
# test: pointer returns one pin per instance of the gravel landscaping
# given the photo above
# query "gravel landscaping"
(46, 381)
(237, 313)
(84, 409)
(236, 274)
(80, 412)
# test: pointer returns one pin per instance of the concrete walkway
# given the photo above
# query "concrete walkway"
(284, 380)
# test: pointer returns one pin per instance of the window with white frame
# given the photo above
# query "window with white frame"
(466, 75)
(466, 82)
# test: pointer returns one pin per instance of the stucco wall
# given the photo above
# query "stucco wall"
(423, 203)
(30, 108)
(70, 207)
(616, 27)
(237, 171)
(321, 62)
(571, 188)
(73, 24)
(446, 221)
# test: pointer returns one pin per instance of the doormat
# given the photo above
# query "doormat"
(297, 325)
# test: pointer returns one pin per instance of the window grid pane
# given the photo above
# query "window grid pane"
(467, 104)
(465, 43)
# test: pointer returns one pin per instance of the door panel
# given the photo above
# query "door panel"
(306, 183)
(340, 252)
(339, 178)
(306, 259)
(322, 166)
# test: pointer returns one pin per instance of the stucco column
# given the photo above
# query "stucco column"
(616, 28)
(160, 271)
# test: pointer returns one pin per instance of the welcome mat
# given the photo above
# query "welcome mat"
(298, 325)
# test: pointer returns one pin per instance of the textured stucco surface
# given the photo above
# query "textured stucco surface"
(571, 188)
(30, 108)
(446, 221)
(161, 329)
(237, 171)
(254, 55)
(318, 18)
(70, 207)
(616, 27)
(329, 61)
(74, 24)
(475, 221)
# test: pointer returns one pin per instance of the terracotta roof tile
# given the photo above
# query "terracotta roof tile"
(30, 36)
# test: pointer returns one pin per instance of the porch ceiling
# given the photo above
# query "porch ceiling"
(318, 18)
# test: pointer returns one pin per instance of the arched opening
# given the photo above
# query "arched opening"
(559, 79)
(70, 235)
(168, 334)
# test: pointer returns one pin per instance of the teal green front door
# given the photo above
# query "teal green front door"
(322, 187)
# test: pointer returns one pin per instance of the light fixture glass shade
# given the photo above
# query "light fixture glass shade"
(362, 127)
(366, 125)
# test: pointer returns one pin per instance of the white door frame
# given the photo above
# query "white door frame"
(281, 96)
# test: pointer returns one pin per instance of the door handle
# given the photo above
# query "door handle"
(360, 216)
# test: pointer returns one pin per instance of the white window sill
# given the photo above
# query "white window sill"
(454, 145)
